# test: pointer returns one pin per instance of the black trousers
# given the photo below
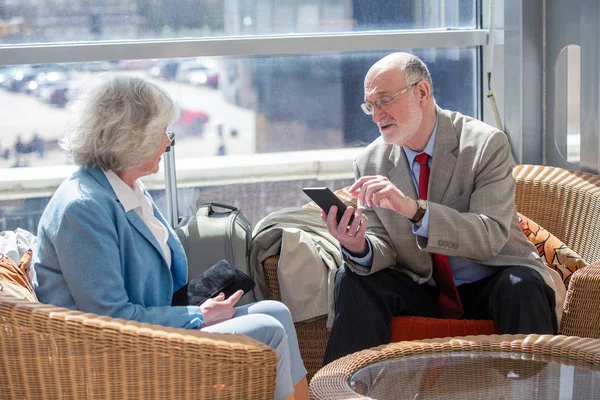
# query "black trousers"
(516, 298)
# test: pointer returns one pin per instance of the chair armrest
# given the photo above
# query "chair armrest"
(49, 352)
(581, 315)
(270, 267)
(563, 202)
(312, 334)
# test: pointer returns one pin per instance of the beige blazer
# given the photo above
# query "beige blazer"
(471, 201)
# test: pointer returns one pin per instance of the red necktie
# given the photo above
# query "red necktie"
(449, 301)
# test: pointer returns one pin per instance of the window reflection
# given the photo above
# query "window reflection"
(228, 105)
(34, 21)
(573, 103)
(567, 108)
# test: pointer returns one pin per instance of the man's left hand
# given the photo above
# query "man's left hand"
(377, 190)
(350, 235)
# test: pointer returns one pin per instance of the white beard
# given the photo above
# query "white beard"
(402, 135)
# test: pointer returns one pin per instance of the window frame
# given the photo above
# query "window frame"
(46, 53)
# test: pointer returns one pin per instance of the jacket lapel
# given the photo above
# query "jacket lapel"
(134, 219)
(179, 267)
(400, 173)
(444, 158)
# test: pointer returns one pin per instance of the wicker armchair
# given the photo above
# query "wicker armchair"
(566, 203)
(55, 353)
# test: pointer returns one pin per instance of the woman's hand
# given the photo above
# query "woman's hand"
(219, 309)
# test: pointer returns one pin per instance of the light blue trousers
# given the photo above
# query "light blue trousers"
(270, 322)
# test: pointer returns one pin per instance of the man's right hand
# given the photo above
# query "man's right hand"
(219, 309)
(351, 236)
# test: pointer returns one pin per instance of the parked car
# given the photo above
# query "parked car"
(20, 77)
(6, 76)
(190, 122)
(166, 69)
(26, 78)
(58, 95)
(199, 73)
(46, 81)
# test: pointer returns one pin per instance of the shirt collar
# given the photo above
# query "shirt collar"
(411, 154)
(129, 198)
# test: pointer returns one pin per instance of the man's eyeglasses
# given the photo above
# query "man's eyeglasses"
(384, 102)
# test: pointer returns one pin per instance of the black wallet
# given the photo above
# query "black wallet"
(221, 277)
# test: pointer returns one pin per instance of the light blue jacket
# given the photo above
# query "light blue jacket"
(95, 257)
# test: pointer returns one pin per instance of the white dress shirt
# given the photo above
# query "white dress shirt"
(134, 199)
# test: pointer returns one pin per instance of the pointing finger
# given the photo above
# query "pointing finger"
(234, 298)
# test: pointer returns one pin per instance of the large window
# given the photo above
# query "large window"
(250, 77)
(42, 21)
(228, 105)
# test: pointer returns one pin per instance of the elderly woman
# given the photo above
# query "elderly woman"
(103, 246)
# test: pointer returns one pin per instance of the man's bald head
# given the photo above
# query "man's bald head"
(399, 98)
(408, 65)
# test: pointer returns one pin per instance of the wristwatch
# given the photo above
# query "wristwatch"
(421, 208)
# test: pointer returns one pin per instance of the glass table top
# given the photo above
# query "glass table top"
(478, 375)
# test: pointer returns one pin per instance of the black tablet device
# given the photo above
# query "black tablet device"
(325, 198)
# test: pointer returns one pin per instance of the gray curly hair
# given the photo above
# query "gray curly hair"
(117, 122)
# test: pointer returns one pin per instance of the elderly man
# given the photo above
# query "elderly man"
(438, 235)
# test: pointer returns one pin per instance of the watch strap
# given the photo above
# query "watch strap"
(421, 208)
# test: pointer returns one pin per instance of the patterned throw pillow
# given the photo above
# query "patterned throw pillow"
(555, 253)
(14, 280)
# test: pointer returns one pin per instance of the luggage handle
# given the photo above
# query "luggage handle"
(207, 209)
(171, 183)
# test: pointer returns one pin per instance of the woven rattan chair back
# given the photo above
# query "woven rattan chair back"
(48, 352)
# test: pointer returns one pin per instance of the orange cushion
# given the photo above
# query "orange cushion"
(553, 251)
(415, 328)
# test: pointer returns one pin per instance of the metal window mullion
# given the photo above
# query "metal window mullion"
(245, 46)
